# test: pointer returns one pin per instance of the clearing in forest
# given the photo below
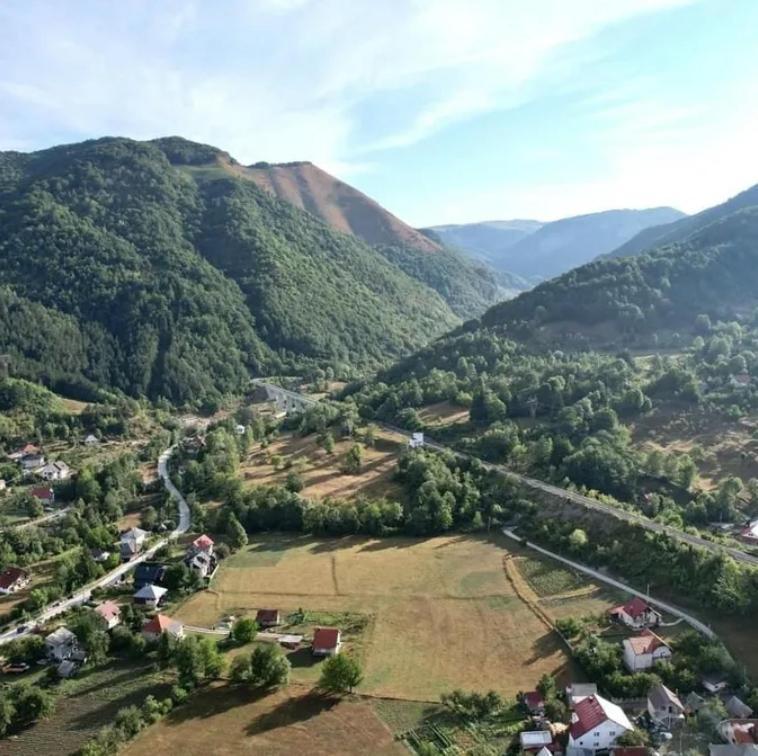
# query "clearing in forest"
(439, 613)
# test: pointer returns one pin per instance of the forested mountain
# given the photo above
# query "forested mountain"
(679, 230)
(647, 298)
(152, 268)
(467, 287)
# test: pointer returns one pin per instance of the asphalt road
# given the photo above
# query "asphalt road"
(577, 498)
(82, 595)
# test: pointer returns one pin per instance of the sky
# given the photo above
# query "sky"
(444, 111)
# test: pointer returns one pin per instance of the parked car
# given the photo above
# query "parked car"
(16, 668)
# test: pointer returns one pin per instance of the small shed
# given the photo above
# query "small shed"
(738, 709)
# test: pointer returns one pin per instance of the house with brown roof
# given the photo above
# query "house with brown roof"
(534, 702)
(268, 618)
(327, 641)
(636, 614)
(202, 545)
(13, 579)
(24, 451)
(596, 725)
(739, 731)
(110, 611)
(644, 651)
(44, 494)
(160, 624)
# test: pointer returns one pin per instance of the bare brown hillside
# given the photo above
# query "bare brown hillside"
(340, 205)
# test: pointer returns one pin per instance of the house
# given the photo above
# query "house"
(714, 683)
(202, 545)
(13, 579)
(738, 709)
(202, 563)
(67, 668)
(91, 440)
(636, 614)
(268, 617)
(740, 381)
(149, 573)
(160, 624)
(110, 611)
(693, 703)
(750, 532)
(739, 731)
(664, 706)
(596, 724)
(24, 451)
(55, 471)
(327, 641)
(417, 441)
(61, 644)
(534, 702)
(100, 555)
(31, 462)
(150, 595)
(131, 543)
(644, 651)
(44, 495)
(534, 741)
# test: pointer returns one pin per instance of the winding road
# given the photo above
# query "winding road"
(538, 485)
(82, 595)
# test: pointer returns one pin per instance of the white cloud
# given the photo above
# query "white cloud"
(276, 79)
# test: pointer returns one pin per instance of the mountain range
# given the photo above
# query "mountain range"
(536, 251)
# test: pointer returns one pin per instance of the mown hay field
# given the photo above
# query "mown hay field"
(440, 613)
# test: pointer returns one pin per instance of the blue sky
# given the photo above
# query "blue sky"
(445, 111)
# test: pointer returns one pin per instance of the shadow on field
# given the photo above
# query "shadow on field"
(384, 544)
(543, 647)
(291, 711)
(213, 701)
(303, 659)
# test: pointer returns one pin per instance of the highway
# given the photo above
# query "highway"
(538, 485)
(82, 595)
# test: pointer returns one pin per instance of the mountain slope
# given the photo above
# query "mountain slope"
(563, 244)
(679, 230)
(713, 272)
(151, 268)
(468, 288)
(338, 204)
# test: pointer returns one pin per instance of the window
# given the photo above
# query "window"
(612, 733)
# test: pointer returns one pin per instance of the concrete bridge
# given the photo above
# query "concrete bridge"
(285, 400)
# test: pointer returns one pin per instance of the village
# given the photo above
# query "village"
(153, 596)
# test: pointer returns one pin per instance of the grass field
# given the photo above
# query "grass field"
(443, 414)
(84, 705)
(225, 720)
(321, 472)
(440, 613)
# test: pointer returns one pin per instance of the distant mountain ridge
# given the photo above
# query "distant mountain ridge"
(679, 230)
(538, 251)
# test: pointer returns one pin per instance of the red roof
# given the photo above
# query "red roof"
(10, 576)
(109, 610)
(28, 449)
(326, 637)
(634, 608)
(158, 624)
(45, 494)
(533, 700)
(646, 642)
(203, 542)
(589, 715)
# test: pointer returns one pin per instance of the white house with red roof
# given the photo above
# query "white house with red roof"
(636, 614)
(13, 579)
(596, 725)
(203, 545)
(644, 651)
(44, 494)
(110, 611)
(327, 641)
(160, 624)
(23, 452)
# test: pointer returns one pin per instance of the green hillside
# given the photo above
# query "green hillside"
(154, 269)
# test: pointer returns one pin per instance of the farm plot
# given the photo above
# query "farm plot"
(321, 472)
(440, 612)
(227, 720)
(83, 706)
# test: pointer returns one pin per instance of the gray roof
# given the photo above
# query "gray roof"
(661, 698)
(149, 591)
(744, 749)
(738, 708)
(583, 689)
(60, 636)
